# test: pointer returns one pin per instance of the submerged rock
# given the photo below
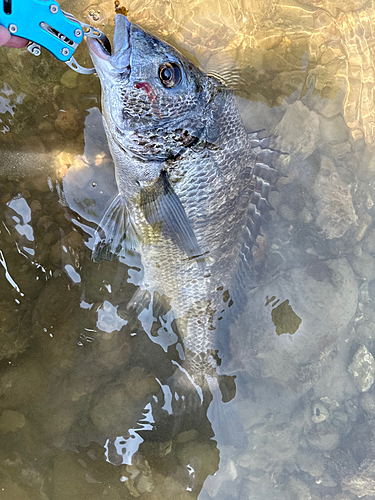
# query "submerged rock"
(299, 489)
(364, 266)
(320, 413)
(325, 302)
(362, 483)
(69, 250)
(324, 437)
(69, 79)
(298, 130)
(22, 384)
(140, 478)
(275, 442)
(287, 213)
(166, 487)
(121, 405)
(74, 478)
(54, 321)
(334, 204)
(10, 490)
(311, 462)
(67, 121)
(369, 242)
(200, 457)
(13, 340)
(10, 421)
(368, 402)
(362, 369)
(334, 129)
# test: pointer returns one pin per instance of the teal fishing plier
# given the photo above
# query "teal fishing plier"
(46, 25)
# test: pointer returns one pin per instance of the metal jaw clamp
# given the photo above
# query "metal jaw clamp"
(46, 25)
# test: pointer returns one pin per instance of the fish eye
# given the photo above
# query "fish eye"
(170, 74)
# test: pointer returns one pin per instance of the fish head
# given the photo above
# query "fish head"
(154, 100)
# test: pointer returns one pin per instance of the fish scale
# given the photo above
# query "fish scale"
(193, 184)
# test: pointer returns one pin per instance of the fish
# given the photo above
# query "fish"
(193, 186)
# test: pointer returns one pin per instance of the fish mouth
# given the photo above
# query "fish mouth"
(100, 48)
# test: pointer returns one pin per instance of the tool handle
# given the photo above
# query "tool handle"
(43, 22)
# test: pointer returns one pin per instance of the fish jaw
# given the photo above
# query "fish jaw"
(107, 64)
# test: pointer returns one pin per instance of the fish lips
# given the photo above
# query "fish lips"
(119, 60)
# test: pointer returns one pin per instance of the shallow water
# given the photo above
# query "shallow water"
(79, 376)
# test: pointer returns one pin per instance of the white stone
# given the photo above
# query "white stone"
(362, 369)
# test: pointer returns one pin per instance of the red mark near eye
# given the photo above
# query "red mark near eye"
(150, 94)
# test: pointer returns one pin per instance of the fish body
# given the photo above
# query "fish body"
(192, 183)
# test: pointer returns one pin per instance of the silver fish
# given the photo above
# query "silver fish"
(192, 184)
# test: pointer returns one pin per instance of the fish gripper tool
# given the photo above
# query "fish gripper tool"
(46, 25)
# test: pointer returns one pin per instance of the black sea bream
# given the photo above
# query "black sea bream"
(192, 184)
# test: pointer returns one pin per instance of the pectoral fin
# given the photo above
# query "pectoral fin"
(114, 234)
(161, 206)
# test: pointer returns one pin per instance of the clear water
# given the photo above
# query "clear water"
(78, 376)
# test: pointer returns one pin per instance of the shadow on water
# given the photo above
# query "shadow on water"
(94, 399)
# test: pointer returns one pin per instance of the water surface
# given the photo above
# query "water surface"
(80, 377)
